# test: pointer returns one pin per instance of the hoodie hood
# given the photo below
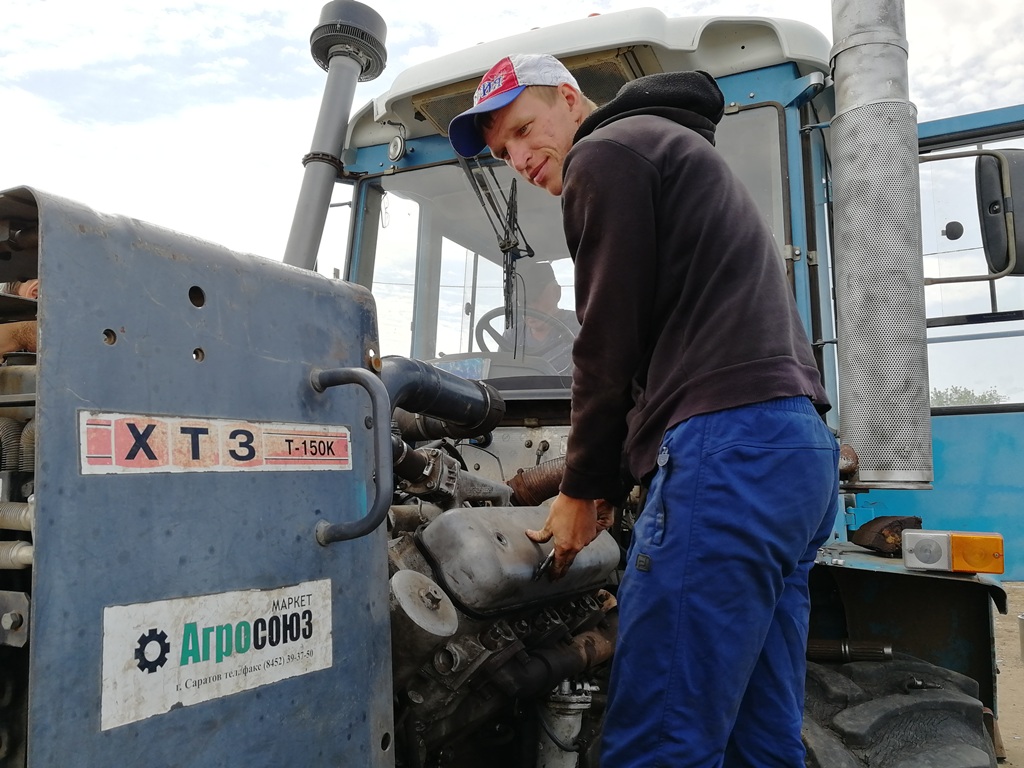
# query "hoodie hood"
(692, 99)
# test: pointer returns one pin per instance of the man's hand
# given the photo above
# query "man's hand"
(573, 523)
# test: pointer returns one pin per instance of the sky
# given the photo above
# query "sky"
(195, 115)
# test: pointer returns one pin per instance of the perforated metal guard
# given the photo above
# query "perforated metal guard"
(883, 364)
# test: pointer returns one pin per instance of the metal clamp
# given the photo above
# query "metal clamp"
(876, 36)
(324, 157)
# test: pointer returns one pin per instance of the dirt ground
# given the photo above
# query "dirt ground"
(1010, 683)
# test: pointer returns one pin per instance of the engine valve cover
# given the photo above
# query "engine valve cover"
(484, 561)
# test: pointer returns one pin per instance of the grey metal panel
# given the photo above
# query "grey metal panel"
(121, 539)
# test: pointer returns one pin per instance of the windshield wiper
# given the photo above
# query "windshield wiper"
(481, 178)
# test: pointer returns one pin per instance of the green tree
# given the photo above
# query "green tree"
(955, 395)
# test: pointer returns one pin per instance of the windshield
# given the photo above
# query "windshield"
(431, 255)
(438, 272)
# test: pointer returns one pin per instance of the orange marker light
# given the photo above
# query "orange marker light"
(976, 552)
(957, 551)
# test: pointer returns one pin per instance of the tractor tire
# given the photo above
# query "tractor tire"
(904, 713)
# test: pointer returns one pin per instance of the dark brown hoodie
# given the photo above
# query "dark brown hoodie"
(680, 289)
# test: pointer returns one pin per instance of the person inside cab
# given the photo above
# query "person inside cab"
(19, 336)
(542, 328)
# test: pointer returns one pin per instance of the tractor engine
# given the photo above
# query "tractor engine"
(473, 634)
(484, 647)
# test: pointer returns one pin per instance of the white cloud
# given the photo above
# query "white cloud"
(172, 111)
(222, 71)
(48, 35)
(227, 173)
(961, 59)
(132, 72)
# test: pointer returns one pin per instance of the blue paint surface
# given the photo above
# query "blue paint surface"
(979, 483)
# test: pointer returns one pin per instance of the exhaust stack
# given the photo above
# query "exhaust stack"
(883, 361)
(349, 44)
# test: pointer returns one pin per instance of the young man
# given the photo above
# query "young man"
(691, 362)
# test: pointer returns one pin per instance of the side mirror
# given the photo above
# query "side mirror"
(997, 174)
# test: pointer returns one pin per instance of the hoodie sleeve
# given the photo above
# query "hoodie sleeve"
(609, 198)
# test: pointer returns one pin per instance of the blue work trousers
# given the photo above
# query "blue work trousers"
(714, 606)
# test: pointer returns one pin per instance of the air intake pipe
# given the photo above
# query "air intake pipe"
(349, 44)
(445, 405)
(883, 361)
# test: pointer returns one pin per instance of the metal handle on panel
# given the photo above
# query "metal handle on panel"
(380, 406)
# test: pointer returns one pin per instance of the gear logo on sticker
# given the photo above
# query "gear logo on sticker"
(150, 665)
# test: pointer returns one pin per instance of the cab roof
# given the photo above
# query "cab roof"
(603, 52)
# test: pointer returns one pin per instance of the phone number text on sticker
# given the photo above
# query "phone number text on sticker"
(116, 443)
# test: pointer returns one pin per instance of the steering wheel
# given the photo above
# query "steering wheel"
(560, 332)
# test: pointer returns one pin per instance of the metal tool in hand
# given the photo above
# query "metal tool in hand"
(545, 564)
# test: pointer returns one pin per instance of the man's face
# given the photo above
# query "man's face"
(533, 136)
